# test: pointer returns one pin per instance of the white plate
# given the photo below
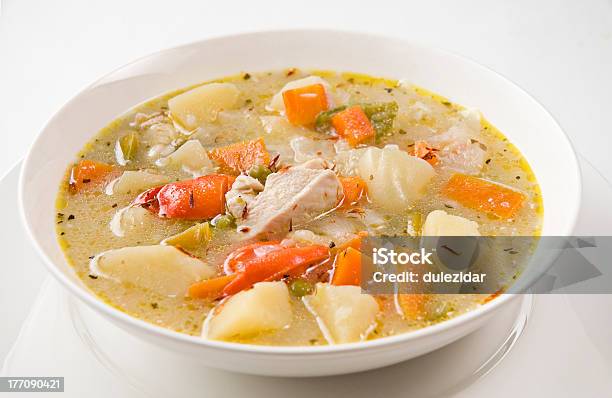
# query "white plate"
(564, 350)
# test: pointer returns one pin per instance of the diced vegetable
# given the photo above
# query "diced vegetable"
(192, 238)
(347, 269)
(162, 269)
(191, 157)
(353, 188)
(381, 116)
(302, 105)
(478, 194)
(264, 308)
(300, 288)
(236, 261)
(440, 223)
(344, 314)
(324, 119)
(202, 104)
(355, 242)
(241, 156)
(135, 181)
(353, 125)
(260, 172)
(424, 151)
(269, 263)
(277, 103)
(395, 179)
(224, 221)
(88, 173)
(198, 199)
(210, 288)
(126, 147)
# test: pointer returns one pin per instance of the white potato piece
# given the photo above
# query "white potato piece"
(395, 179)
(202, 104)
(162, 269)
(135, 182)
(343, 313)
(440, 223)
(191, 157)
(278, 104)
(265, 307)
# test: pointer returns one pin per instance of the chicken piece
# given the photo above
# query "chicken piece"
(243, 191)
(291, 198)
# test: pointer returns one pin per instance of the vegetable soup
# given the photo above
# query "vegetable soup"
(235, 209)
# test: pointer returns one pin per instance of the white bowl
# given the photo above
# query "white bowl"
(526, 123)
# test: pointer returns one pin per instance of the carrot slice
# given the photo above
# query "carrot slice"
(355, 242)
(353, 188)
(303, 104)
(236, 261)
(478, 194)
(353, 125)
(347, 270)
(239, 157)
(210, 288)
(87, 173)
(198, 199)
(424, 151)
(275, 265)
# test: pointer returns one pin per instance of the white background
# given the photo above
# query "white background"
(559, 51)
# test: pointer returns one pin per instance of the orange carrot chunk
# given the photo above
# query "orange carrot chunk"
(353, 125)
(478, 194)
(239, 157)
(276, 263)
(198, 199)
(347, 270)
(210, 288)
(355, 242)
(353, 188)
(303, 104)
(88, 173)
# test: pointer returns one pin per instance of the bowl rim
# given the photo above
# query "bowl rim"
(89, 297)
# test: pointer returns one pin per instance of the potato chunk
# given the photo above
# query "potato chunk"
(265, 307)
(440, 223)
(135, 182)
(395, 179)
(202, 104)
(344, 314)
(191, 157)
(163, 269)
